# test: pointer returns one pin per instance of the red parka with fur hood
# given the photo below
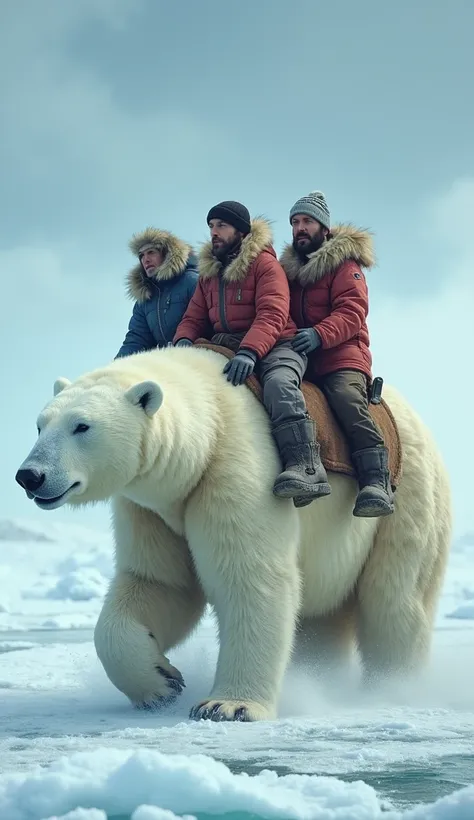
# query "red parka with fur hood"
(250, 296)
(329, 292)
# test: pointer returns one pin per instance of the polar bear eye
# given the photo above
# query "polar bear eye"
(81, 428)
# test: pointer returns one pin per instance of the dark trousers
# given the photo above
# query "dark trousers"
(347, 395)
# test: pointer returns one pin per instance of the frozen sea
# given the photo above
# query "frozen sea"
(72, 747)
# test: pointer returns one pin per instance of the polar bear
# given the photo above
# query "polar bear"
(189, 462)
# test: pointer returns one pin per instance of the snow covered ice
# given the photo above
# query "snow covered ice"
(72, 747)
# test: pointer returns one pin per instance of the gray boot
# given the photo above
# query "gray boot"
(375, 497)
(304, 477)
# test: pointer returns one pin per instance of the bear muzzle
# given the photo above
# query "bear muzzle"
(32, 480)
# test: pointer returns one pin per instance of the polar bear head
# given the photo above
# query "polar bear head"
(93, 440)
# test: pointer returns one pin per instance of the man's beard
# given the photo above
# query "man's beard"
(228, 250)
(313, 245)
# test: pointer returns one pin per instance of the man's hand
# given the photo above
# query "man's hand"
(183, 343)
(240, 367)
(306, 340)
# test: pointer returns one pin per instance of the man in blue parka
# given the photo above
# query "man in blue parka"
(161, 284)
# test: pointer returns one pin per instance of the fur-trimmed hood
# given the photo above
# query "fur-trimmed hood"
(177, 257)
(344, 242)
(259, 239)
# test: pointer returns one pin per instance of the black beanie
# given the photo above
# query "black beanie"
(233, 213)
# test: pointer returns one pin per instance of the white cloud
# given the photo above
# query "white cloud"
(426, 347)
(63, 121)
(56, 309)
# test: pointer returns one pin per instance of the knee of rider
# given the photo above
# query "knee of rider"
(277, 381)
(341, 389)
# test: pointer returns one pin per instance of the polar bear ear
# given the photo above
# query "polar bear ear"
(60, 384)
(148, 395)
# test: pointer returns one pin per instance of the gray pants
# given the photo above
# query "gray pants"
(280, 373)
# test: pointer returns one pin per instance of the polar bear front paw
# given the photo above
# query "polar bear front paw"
(133, 662)
(235, 710)
(169, 684)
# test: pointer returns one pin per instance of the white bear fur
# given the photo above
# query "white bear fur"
(195, 521)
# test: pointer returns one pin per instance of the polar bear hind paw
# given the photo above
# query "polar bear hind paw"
(230, 710)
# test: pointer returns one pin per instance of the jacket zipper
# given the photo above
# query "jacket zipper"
(302, 310)
(222, 313)
(159, 317)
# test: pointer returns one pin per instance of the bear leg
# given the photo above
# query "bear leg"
(256, 631)
(153, 604)
(398, 594)
(394, 642)
(139, 622)
(325, 645)
(249, 573)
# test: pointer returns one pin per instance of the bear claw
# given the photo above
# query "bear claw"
(219, 711)
(156, 702)
(176, 682)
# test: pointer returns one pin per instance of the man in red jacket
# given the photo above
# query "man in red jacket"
(330, 304)
(242, 301)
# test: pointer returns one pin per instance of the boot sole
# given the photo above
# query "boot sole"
(290, 489)
(373, 510)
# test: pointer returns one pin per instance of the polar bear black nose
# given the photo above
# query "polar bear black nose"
(30, 479)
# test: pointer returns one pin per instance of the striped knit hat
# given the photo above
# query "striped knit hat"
(314, 205)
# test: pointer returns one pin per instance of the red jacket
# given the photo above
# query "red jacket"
(251, 296)
(329, 292)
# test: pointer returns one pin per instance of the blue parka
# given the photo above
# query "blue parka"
(161, 300)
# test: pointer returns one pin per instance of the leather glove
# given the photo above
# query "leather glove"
(240, 367)
(183, 343)
(306, 340)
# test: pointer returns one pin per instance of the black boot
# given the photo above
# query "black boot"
(304, 477)
(375, 497)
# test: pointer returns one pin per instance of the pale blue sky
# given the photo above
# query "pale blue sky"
(146, 112)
